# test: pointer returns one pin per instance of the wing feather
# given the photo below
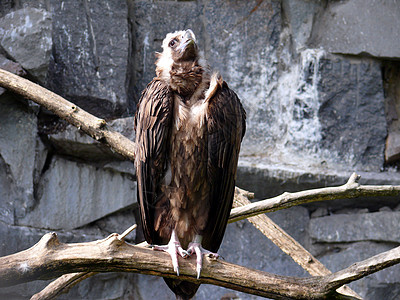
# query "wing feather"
(153, 124)
(226, 127)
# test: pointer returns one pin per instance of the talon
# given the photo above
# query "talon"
(195, 247)
(213, 255)
(183, 252)
(173, 248)
(198, 268)
(199, 260)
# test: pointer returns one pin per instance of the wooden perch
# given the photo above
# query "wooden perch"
(49, 258)
(65, 282)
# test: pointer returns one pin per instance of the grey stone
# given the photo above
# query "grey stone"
(84, 194)
(332, 115)
(10, 66)
(327, 113)
(319, 212)
(18, 238)
(300, 16)
(242, 43)
(359, 27)
(390, 291)
(7, 6)
(41, 156)
(26, 36)
(102, 286)
(152, 287)
(90, 55)
(150, 30)
(107, 286)
(352, 210)
(74, 142)
(352, 111)
(126, 167)
(7, 194)
(18, 129)
(118, 222)
(366, 287)
(378, 226)
(391, 73)
(385, 208)
(392, 150)
(125, 126)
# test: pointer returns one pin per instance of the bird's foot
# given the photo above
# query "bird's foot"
(173, 248)
(195, 247)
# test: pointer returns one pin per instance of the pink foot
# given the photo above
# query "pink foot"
(173, 248)
(195, 247)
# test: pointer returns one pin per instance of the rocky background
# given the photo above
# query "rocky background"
(320, 81)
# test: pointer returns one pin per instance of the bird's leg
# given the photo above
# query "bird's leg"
(173, 248)
(195, 247)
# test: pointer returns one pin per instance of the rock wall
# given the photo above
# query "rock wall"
(319, 80)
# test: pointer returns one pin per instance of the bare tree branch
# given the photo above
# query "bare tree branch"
(65, 282)
(368, 266)
(50, 258)
(91, 125)
(352, 189)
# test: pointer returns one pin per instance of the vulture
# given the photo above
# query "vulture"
(189, 127)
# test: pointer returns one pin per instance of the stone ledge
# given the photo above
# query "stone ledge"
(71, 195)
(267, 178)
(344, 228)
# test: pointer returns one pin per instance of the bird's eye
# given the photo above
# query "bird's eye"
(172, 43)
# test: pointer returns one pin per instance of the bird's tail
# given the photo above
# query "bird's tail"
(183, 289)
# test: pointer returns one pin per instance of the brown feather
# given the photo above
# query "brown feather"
(189, 129)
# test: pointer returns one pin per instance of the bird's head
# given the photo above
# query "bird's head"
(178, 47)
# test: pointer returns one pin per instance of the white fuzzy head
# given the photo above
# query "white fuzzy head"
(177, 46)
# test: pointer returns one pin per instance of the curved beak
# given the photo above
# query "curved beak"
(189, 35)
(188, 46)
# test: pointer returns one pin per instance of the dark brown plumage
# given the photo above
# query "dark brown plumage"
(189, 126)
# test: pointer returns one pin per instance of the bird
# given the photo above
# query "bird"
(189, 128)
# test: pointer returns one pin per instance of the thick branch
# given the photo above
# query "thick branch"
(361, 269)
(50, 258)
(64, 283)
(91, 125)
(352, 189)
